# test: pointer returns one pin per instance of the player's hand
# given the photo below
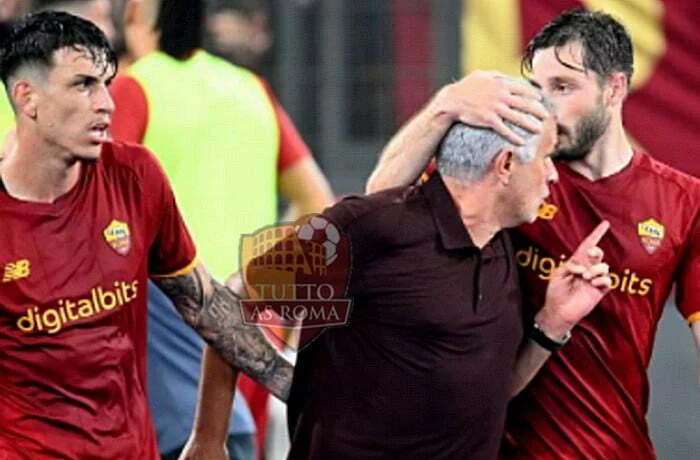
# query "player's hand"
(487, 98)
(197, 449)
(576, 287)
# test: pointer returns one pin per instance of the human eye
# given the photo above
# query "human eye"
(84, 83)
(562, 87)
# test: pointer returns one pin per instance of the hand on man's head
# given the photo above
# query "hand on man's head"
(488, 99)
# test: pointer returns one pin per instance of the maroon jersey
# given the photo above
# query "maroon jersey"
(73, 310)
(590, 399)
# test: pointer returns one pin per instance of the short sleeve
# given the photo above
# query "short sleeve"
(172, 251)
(688, 279)
(292, 147)
(130, 118)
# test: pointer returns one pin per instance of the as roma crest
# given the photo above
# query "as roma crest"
(118, 236)
(651, 234)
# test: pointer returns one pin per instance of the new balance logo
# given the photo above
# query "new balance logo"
(547, 211)
(16, 271)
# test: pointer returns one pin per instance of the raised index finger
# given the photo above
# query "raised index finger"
(591, 240)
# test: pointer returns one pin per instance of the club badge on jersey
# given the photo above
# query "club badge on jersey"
(118, 236)
(651, 234)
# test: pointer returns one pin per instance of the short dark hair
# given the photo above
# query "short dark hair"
(34, 39)
(606, 44)
(181, 27)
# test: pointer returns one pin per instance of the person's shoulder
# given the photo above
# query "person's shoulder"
(124, 85)
(380, 209)
(669, 177)
(124, 78)
(127, 156)
(206, 59)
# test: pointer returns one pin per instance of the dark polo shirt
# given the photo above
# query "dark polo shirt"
(422, 370)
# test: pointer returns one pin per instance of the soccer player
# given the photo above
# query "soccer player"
(85, 223)
(591, 398)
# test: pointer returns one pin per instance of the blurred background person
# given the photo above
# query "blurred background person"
(228, 148)
(99, 12)
(10, 9)
(119, 41)
(239, 31)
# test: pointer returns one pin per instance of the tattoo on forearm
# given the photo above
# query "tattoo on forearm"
(214, 311)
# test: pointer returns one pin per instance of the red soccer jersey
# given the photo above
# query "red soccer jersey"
(73, 310)
(590, 400)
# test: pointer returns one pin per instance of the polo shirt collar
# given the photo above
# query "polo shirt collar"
(449, 224)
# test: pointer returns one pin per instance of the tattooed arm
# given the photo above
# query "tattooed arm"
(214, 312)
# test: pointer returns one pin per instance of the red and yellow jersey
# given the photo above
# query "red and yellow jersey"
(73, 310)
(590, 399)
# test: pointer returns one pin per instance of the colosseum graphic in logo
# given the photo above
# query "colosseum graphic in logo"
(296, 276)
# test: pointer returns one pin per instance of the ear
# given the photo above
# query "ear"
(25, 98)
(616, 89)
(503, 166)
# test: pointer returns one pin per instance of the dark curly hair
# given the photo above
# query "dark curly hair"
(606, 44)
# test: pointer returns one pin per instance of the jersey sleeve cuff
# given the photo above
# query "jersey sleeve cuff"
(183, 271)
(693, 318)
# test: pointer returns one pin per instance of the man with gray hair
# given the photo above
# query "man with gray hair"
(429, 358)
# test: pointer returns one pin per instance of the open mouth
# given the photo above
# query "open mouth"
(100, 131)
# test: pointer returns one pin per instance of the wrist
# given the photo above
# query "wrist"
(204, 436)
(440, 116)
(553, 325)
(538, 336)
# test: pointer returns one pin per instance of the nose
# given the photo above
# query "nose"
(102, 101)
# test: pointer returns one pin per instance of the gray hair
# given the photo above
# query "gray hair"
(466, 151)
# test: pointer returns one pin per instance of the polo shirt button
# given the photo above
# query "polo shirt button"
(481, 297)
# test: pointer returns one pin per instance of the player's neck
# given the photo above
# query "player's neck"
(33, 173)
(477, 208)
(610, 155)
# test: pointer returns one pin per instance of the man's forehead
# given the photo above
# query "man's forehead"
(568, 57)
(80, 59)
